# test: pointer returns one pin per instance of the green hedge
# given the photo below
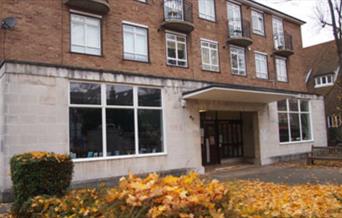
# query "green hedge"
(39, 173)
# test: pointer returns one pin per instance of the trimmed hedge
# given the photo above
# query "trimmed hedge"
(39, 173)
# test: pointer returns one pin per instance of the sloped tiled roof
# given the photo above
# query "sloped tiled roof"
(321, 59)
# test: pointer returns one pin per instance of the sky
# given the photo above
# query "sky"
(312, 31)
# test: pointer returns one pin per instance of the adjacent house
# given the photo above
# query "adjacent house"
(323, 70)
(142, 85)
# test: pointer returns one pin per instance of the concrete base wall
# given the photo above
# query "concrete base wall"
(36, 118)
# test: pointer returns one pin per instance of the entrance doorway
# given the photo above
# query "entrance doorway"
(221, 136)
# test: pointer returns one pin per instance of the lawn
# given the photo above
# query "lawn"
(189, 196)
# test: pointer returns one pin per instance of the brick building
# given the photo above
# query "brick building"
(322, 74)
(153, 85)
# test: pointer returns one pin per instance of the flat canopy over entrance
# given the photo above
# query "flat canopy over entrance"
(236, 93)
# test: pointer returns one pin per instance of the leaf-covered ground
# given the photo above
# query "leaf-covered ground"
(267, 200)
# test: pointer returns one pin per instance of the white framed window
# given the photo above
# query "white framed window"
(114, 120)
(278, 33)
(176, 51)
(238, 60)
(207, 9)
(258, 23)
(210, 56)
(85, 34)
(325, 80)
(234, 19)
(135, 42)
(281, 69)
(261, 65)
(294, 118)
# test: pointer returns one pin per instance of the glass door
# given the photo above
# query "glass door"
(173, 10)
(234, 19)
(278, 33)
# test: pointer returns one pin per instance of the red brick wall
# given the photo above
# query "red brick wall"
(42, 35)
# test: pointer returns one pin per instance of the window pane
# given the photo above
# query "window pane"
(149, 97)
(93, 36)
(214, 57)
(77, 34)
(181, 51)
(282, 106)
(85, 93)
(283, 127)
(293, 103)
(129, 42)
(295, 128)
(306, 128)
(120, 132)
(119, 95)
(205, 56)
(150, 131)
(304, 105)
(85, 132)
(171, 49)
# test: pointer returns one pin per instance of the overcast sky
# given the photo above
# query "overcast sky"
(312, 32)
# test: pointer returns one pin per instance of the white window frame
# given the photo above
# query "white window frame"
(281, 76)
(236, 23)
(210, 65)
(299, 112)
(235, 50)
(135, 26)
(86, 49)
(260, 57)
(319, 81)
(258, 28)
(278, 32)
(176, 48)
(207, 15)
(103, 106)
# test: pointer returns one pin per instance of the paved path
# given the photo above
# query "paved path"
(280, 174)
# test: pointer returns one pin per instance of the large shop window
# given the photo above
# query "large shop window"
(85, 34)
(294, 120)
(114, 120)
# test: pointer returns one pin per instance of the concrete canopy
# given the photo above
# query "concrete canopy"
(237, 95)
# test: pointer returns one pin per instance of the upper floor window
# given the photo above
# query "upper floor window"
(135, 43)
(234, 19)
(334, 120)
(326, 80)
(294, 120)
(281, 69)
(258, 23)
(176, 49)
(238, 60)
(261, 66)
(210, 59)
(278, 32)
(207, 9)
(85, 34)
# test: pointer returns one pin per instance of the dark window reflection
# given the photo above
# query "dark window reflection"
(150, 131)
(85, 93)
(295, 128)
(120, 132)
(304, 106)
(293, 104)
(306, 126)
(149, 97)
(119, 95)
(283, 128)
(282, 106)
(85, 132)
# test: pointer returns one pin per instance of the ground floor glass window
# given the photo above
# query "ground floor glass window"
(114, 120)
(294, 120)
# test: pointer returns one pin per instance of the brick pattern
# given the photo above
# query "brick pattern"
(43, 35)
